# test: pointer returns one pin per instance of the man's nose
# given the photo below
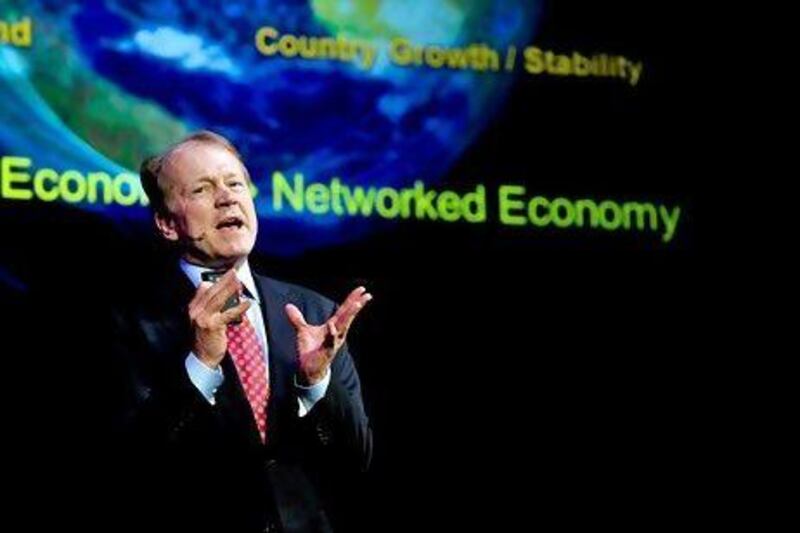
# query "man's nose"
(224, 196)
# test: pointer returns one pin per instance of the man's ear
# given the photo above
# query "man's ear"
(166, 226)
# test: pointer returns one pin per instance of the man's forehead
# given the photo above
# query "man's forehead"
(195, 160)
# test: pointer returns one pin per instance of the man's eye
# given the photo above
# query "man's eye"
(236, 184)
(198, 190)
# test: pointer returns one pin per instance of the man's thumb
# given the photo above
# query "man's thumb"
(295, 316)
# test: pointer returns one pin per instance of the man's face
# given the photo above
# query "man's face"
(211, 211)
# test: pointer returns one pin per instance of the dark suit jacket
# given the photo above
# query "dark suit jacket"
(195, 466)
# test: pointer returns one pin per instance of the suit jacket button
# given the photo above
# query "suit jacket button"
(323, 435)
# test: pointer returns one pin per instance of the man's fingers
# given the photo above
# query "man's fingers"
(226, 287)
(295, 316)
(235, 313)
(354, 295)
(199, 297)
(349, 302)
(356, 301)
(358, 306)
(207, 290)
(351, 307)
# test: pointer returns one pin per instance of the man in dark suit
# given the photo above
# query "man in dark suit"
(241, 414)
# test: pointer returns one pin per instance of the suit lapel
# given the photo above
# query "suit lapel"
(166, 325)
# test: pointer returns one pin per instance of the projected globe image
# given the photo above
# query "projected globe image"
(109, 81)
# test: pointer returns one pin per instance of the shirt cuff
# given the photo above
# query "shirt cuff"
(205, 379)
(308, 396)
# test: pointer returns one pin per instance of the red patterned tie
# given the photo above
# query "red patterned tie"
(248, 356)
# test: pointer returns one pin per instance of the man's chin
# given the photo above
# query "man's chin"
(220, 261)
(235, 257)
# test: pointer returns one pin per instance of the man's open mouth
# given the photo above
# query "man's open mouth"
(230, 222)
